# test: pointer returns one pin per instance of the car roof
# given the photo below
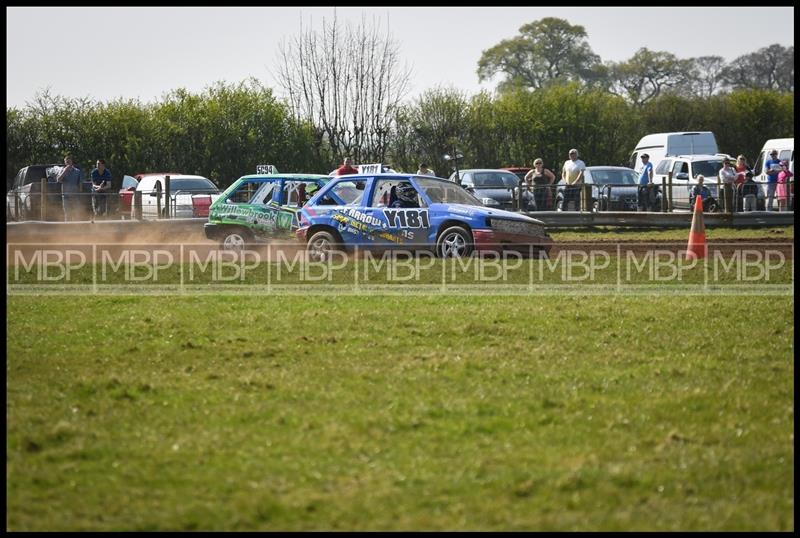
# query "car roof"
(390, 175)
(181, 176)
(609, 168)
(485, 170)
(284, 176)
(145, 174)
(706, 157)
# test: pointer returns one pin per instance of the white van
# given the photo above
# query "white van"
(785, 149)
(660, 145)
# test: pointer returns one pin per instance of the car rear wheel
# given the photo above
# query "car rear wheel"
(454, 242)
(320, 246)
(235, 239)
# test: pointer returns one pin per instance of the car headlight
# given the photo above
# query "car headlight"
(489, 201)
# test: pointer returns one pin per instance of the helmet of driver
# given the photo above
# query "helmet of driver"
(406, 192)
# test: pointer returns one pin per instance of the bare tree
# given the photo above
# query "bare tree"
(647, 74)
(348, 82)
(769, 68)
(705, 75)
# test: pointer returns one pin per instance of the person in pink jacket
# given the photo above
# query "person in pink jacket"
(782, 190)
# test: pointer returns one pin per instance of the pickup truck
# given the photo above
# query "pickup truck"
(24, 199)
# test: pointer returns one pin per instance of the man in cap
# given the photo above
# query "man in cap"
(772, 167)
(645, 184)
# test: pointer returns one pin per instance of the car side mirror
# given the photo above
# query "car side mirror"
(682, 175)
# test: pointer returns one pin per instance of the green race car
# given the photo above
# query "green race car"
(260, 207)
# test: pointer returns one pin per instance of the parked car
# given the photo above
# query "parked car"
(385, 211)
(685, 169)
(614, 188)
(187, 193)
(257, 207)
(519, 171)
(494, 187)
(23, 200)
(661, 145)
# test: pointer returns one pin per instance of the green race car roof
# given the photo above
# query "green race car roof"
(284, 176)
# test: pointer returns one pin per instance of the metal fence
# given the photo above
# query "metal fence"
(665, 197)
(46, 202)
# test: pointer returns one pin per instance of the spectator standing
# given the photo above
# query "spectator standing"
(424, 170)
(727, 177)
(742, 171)
(70, 180)
(645, 190)
(782, 188)
(541, 179)
(572, 175)
(750, 193)
(772, 167)
(742, 168)
(346, 168)
(101, 183)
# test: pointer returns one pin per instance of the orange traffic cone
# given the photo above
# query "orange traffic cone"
(697, 235)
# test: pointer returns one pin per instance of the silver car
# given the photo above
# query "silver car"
(614, 188)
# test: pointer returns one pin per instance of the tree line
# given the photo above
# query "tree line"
(553, 51)
(224, 132)
(221, 133)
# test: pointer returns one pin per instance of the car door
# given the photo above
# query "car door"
(681, 183)
(401, 222)
(147, 186)
(254, 204)
(341, 207)
(13, 205)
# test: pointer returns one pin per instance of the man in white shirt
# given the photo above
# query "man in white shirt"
(572, 175)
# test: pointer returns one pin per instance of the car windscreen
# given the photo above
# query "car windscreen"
(614, 177)
(194, 184)
(709, 169)
(445, 192)
(344, 193)
(128, 181)
(495, 179)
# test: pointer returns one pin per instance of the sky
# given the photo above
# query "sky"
(143, 53)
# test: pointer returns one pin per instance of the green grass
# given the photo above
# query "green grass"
(508, 413)
(610, 233)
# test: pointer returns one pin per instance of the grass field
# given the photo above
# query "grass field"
(413, 413)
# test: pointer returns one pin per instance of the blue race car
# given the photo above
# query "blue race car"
(408, 211)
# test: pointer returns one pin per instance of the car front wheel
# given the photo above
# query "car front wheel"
(320, 246)
(454, 242)
(235, 240)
